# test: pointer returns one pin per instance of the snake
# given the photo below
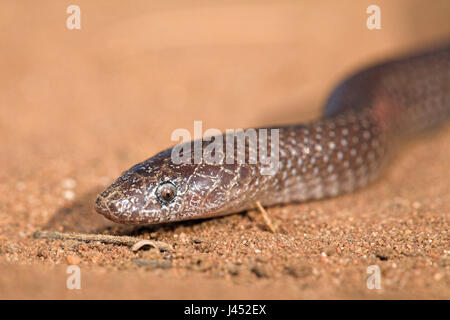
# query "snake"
(366, 120)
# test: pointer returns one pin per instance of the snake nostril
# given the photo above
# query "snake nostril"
(100, 206)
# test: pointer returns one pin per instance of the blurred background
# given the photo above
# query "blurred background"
(78, 107)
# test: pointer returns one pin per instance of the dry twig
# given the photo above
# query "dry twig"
(134, 243)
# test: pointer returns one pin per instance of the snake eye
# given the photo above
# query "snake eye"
(166, 192)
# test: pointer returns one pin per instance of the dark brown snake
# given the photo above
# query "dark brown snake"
(365, 119)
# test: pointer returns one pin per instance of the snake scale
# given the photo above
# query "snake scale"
(365, 119)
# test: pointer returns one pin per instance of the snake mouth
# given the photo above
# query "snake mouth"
(101, 206)
(107, 209)
(105, 204)
(115, 207)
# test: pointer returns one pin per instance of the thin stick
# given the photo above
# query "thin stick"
(265, 216)
(134, 243)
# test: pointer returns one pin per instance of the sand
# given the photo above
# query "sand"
(78, 107)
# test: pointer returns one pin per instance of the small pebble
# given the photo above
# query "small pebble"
(261, 271)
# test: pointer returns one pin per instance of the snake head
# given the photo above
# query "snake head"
(149, 192)
(158, 191)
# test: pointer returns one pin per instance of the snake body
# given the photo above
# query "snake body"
(365, 120)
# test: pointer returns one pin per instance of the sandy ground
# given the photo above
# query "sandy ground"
(78, 107)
